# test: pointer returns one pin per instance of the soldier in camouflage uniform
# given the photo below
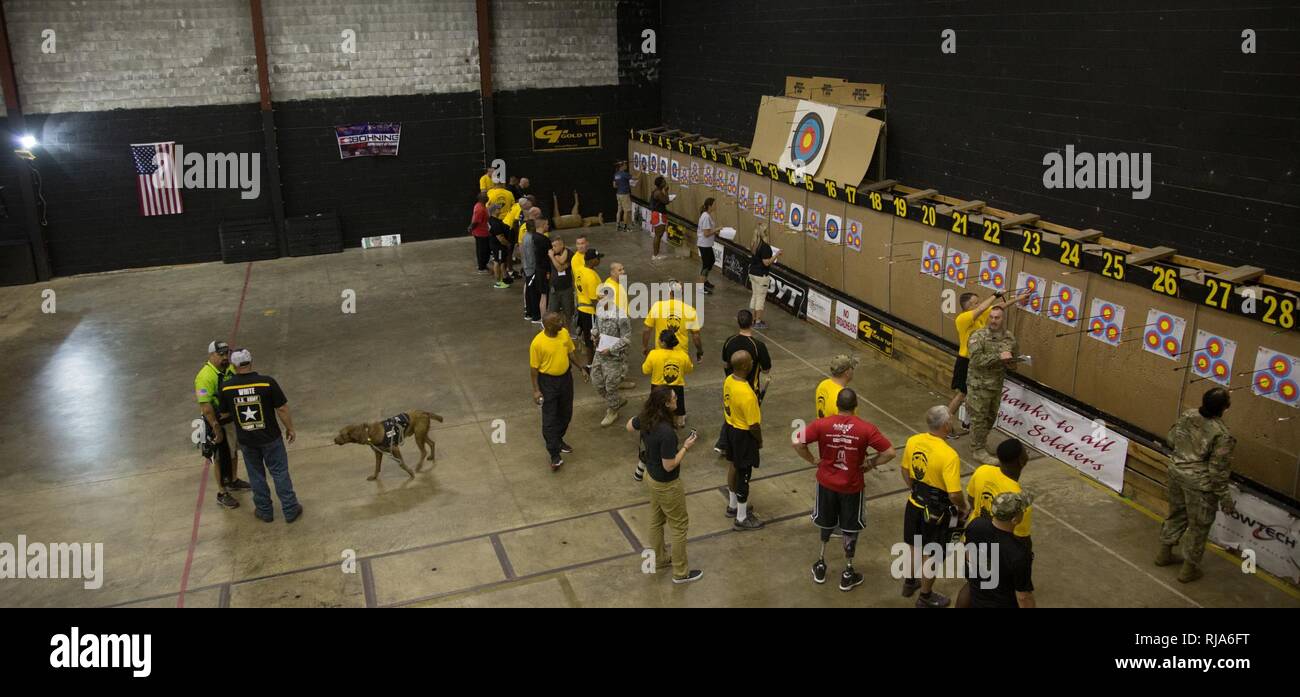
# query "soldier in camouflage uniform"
(1198, 481)
(608, 368)
(992, 352)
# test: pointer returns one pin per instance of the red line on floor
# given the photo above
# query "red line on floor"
(207, 464)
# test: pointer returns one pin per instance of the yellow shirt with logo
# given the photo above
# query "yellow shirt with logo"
(930, 460)
(667, 367)
(586, 281)
(740, 404)
(511, 215)
(550, 355)
(578, 261)
(675, 315)
(967, 323)
(985, 485)
(620, 295)
(502, 197)
(827, 392)
(485, 182)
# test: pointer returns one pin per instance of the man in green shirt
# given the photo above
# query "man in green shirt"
(216, 445)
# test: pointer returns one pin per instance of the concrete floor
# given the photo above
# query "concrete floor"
(95, 447)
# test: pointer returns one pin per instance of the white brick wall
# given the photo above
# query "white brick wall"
(402, 47)
(115, 54)
(554, 43)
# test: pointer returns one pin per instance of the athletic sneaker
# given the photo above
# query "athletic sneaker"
(719, 451)
(692, 575)
(750, 523)
(760, 325)
(227, 500)
(556, 462)
(264, 518)
(499, 285)
(910, 586)
(709, 285)
(819, 571)
(296, 513)
(535, 321)
(935, 600)
(849, 579)
(708, 290)
(239, 485)
(638, 474)
(482, 272)
(565, 447)
(731, 512)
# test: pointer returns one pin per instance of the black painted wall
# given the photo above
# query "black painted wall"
(425, 192)
(1165, 77)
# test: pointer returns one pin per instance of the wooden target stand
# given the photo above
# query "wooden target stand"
(1076, 254)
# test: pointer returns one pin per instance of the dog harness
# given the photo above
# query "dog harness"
(394, 432)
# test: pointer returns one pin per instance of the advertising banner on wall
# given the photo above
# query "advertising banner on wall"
(1259, 530)
(819, 308)
(846, 319)
(1063, 434)
(788, 294)
(368, 139)
(566, 133)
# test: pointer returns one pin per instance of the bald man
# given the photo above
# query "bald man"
(744, 438)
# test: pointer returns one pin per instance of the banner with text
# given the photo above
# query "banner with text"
(368, 139)
(1257, 527)
(1061, 433)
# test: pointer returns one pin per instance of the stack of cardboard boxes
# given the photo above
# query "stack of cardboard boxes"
(833, 90)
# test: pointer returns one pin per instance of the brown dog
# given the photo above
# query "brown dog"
(385, 437)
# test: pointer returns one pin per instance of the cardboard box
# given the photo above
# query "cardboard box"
(822, 89)
(797, 86)
(860, 94)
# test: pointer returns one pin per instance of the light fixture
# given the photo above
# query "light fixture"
(28, 142)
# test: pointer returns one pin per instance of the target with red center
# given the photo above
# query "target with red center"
(1071, 314)
(926, 264)
(932, 254)
(853, 235)
(1037, 304)
(1168, 328)
(796, 216)
(778, 210)
(1171, 347)
(1273, 377)
(1108, 312)
(985, 276)
(1098, 326)
(1153, 339)
(992, 267)
(1213, 351)
(1055, 309)
(1202, 364)
(998, 281)
(1066, 295)
(832, 229)
(814, 223)
(1165, 325)
(1221, 370)
(742, 198)
(760, 205)
(809, 138)
(994, 263)
(1112, 334)
(1214, 347)
(1064, 307)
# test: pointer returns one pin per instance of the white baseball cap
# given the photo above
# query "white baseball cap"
(241, 357)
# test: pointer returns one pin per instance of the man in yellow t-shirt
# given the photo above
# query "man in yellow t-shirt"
(668, 365)
(974, 315)
(499, 195)
(586, 284)
(931, 470)
(617, 272)
(672, 313)
(579, 253)
(743, 438)
(549, 357)
(1002, 478)
(485, 181)
(829, 389)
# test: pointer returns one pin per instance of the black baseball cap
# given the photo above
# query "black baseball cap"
(218, 347)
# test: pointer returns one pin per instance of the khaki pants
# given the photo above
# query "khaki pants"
(668, 504)
(758, 291)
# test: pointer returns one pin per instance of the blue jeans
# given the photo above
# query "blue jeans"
(258, 459)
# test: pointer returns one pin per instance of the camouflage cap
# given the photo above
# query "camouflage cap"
(1009, 505)
(841, 363)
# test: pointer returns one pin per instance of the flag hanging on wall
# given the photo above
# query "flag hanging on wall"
(157, 181)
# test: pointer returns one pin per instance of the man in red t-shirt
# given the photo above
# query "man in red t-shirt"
(842, 442)
(478, 227)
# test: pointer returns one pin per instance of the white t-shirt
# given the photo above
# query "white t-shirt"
(706, 223)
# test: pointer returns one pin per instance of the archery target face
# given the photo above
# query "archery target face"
(695, 173)
(814, 222)
(760, 204)
(636, 162)
(853, 235)
(993, 271)
(796, 217)
(663, 166)
(932, 259)
(1213, 356)
(742, 197)
(1064, 304)
(832, 230)
(733, 182)
(1035, 287)
(708, 176)
(957, 267)
(675, 168)
(1163, 334)
(810, 132)
(778, 210)
(1275, 377)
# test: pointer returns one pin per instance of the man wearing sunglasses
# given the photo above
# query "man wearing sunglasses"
(216, 445)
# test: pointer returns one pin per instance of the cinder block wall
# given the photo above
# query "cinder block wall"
(129, 71)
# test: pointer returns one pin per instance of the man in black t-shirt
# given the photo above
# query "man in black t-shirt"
(255, 401)
(999, 567)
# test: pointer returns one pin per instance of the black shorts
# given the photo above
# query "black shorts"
(584, 322)
(835, 510)
(959, 374)
(741, 448)
(498, 250)
(915, 524)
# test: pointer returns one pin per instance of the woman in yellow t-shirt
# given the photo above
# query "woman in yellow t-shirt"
(668, 365)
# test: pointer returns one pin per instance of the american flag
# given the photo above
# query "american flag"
(157, 180)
